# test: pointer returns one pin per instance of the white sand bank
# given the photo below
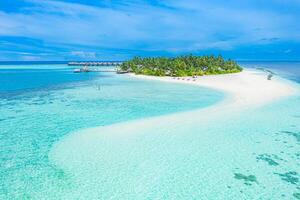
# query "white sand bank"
(247, 88)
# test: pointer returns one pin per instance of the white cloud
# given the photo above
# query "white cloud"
(288, 51)
(85, 55)
(30, 58)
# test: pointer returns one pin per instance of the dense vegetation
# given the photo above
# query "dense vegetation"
(180, 66)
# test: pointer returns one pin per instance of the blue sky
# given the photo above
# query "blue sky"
(37, 30)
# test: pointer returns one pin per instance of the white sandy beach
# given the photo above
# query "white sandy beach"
(247, 88)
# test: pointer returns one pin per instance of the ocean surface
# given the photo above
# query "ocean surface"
(152, 140)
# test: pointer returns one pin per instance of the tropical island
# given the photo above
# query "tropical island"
(189, 65)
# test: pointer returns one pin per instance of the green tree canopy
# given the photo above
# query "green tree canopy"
(180, 66)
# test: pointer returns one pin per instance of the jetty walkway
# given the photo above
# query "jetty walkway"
(102, 63)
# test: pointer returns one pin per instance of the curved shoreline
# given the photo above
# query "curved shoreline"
(245, 89)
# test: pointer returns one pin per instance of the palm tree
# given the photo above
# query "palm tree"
(180, 66)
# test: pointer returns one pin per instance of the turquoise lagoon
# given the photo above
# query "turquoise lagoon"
(152, 140)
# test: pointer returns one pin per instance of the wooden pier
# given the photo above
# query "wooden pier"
(102, 63)
(92, 66)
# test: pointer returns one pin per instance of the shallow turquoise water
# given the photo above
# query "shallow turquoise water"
(252, 155)
(156, 152)
(40, 106)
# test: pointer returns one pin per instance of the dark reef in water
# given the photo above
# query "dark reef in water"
(290, 177)
(248, 180)
(294, 134)
(296, 195)
(270, 159)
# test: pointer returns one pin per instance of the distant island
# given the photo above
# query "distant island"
(180, 66)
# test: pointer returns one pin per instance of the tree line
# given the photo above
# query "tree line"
(189, 65)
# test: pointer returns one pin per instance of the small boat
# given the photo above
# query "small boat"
(122, 72)
(76, 70)
(84, 69)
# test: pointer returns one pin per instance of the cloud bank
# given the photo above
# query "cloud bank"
(114, 30)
